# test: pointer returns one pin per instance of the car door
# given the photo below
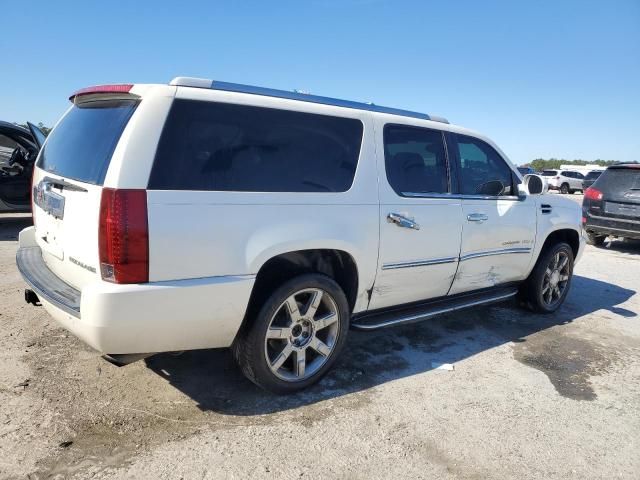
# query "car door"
(18, 151)
(420, 220)
(578, 178)
(499, 227)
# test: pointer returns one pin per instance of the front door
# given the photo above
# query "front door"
(498, 227)
(420, 221)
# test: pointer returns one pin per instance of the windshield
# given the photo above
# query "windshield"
(549, 173)
(81, 145)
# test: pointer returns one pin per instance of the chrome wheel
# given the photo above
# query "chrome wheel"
(302, 334)
(555, 278)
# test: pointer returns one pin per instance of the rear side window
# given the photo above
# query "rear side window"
(481, 168)
(227, 147)
(81, 145)
(415, 160)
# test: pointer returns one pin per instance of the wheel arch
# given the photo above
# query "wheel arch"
(338, 264)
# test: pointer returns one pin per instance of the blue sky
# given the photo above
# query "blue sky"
(542, 78)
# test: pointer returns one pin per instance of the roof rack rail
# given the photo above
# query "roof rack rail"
(297, 95)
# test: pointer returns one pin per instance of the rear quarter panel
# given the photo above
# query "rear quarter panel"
(195, 234)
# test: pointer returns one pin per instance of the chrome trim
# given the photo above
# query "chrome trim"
(477, 217)
(402, 221)
(488, 253)
(613, 219)
(296, 95)
(419, 263)
(433, 313)
(458, 196)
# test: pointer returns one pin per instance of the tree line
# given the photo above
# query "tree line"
(540, 164)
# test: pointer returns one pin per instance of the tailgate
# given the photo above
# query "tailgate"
(67, 186)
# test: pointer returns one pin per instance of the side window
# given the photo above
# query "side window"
(226, 147)
(482, 169)
(579, 175)
(415, 160)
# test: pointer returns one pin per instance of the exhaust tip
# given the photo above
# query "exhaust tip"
(122, 359)
(31, 297)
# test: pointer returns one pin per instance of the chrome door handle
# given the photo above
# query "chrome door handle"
(402, 221)
(477, 217)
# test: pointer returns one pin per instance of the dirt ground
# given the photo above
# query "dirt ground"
(530, 397)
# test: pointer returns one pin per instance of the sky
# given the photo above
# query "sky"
(543, 79)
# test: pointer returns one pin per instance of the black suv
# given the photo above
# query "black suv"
(590, 178)
(612, 205)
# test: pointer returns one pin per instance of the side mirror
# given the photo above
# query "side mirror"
(535, 184)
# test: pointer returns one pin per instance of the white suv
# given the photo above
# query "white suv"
(566, 181)
(205, 214)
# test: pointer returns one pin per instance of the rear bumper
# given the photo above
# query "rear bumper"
(140, 318)
(612, 226)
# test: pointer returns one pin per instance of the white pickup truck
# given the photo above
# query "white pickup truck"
(205, 214)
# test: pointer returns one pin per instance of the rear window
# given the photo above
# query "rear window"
(81, 145)
(619, 180)
(226, 147)
(592, 175)
(549, 173)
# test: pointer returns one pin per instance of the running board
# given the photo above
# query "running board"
(417, 313)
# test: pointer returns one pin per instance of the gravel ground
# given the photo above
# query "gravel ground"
(530, 397)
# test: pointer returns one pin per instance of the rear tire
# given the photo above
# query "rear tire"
(596, 240)
(564, 188)
(548, 285)
(297, 335)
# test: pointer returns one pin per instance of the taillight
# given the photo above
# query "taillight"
(33, 214)
(122, 88)
(123, 236)
(593, 194)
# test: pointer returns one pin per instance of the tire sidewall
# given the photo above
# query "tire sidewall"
(539, 277)
(262, 374)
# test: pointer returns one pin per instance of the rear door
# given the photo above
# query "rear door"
(67, 184)
(420, 220)
(499, 228)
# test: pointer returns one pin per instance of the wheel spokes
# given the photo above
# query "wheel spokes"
(320, 347)
(278, 333)
(325, 321)
(301, 363)
(292, 309)
(280, 359)
(314, 303)
(563, 262)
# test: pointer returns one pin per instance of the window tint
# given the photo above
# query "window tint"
(481, 168)
(549, 173)
(226, 147)
(81, 145)
(579, 175)
(593, 175)
(415, 160)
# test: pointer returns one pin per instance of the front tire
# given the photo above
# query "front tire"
(297, 335)
(564, 188)
(548, 285)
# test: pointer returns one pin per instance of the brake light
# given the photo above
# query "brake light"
(33, 214)
(122, 88)
(593, 194)
(123, 236)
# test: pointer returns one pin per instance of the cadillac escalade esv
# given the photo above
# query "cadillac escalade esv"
(204, 214)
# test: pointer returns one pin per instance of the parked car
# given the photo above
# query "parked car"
(205, 214)
(19, 148)
(589, 178)
(565, 181)
(611, 206)
(526, 171)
